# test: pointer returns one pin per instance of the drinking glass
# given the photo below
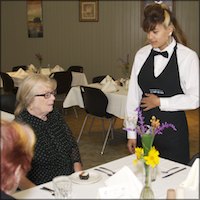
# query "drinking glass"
(63, 187)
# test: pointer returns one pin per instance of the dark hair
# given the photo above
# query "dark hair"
(160, 14)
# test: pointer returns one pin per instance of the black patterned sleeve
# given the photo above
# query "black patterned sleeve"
(75, 155)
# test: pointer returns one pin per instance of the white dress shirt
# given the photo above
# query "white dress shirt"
(188, 65)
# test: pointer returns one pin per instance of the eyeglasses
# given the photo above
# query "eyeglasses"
(46, 95)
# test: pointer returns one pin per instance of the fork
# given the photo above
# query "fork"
(103, 172)
(165, 172)
(108, 170)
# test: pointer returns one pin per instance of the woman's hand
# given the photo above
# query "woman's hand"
(131, 145)
(150, 101)
(77, 167)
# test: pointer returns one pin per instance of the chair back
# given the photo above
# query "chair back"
(8, 103)
(15, 68)
(95, 101)
(8, 83)
(194, 157)
(76, 69)
(64, 80)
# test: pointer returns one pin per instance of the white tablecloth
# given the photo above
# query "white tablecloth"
(6, 116)
(91, 191)
(77, 77)
(116, 100)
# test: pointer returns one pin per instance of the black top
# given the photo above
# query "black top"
(56, 149)
(173, 145)
(6, 196)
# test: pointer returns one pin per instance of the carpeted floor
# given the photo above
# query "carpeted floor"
(91, 143)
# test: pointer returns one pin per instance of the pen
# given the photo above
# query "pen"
(174, 172)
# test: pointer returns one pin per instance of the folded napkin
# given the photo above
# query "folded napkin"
(106, 79)
(109, 87)
(192, 180)
(57, 68)
(123, 184)
(32, 68)
(20, 72)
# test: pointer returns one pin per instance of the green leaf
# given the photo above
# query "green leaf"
(147, 142)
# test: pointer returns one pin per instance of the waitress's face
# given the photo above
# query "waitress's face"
(159, 37)
(43, 101)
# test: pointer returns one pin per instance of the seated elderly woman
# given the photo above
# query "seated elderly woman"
(56, 151)
(17, 143)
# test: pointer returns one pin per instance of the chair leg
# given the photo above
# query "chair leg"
(91, 124)
(81, 131)
(107, 135)
(75, 112)
(112, 134)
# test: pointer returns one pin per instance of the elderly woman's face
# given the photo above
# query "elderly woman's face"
(43, 101)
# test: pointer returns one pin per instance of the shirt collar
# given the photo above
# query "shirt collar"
(169, 48)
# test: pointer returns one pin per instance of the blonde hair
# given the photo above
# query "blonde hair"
(29, 88)
(160, 14)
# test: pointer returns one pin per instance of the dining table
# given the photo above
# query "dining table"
(18, 76)
(99, 176)
(6, 116)
(116, 100)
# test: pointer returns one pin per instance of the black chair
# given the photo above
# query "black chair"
(64, 80)
(15, 68)
(95, 103)
(8, 83)
(76, 69)
(194, 157)
(7, 102)
(98, 79)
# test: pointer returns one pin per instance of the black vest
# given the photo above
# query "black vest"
(171, 144)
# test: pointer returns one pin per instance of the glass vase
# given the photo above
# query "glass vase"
(147, 192)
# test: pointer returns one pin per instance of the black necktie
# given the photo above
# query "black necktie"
(164, 53)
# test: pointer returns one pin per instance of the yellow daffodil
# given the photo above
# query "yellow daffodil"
(139, 152)
(152, 158)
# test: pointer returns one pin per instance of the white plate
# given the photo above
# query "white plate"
(93, 178)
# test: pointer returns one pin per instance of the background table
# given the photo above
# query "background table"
(6, 116)
(90, 191)
(116, 100)
(77, 77)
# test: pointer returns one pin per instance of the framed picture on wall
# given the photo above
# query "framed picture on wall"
(169, 3)
(34, 18)
(88, 10)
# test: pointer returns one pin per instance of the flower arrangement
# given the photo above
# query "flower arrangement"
(148, 153)
(39, 58)
(125, 65)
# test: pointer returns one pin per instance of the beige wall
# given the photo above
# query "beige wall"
(96, 46)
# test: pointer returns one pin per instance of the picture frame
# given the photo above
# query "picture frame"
(88, 10)
(34, 18)
(144, 3)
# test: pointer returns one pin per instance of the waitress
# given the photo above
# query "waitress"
(164, 82)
